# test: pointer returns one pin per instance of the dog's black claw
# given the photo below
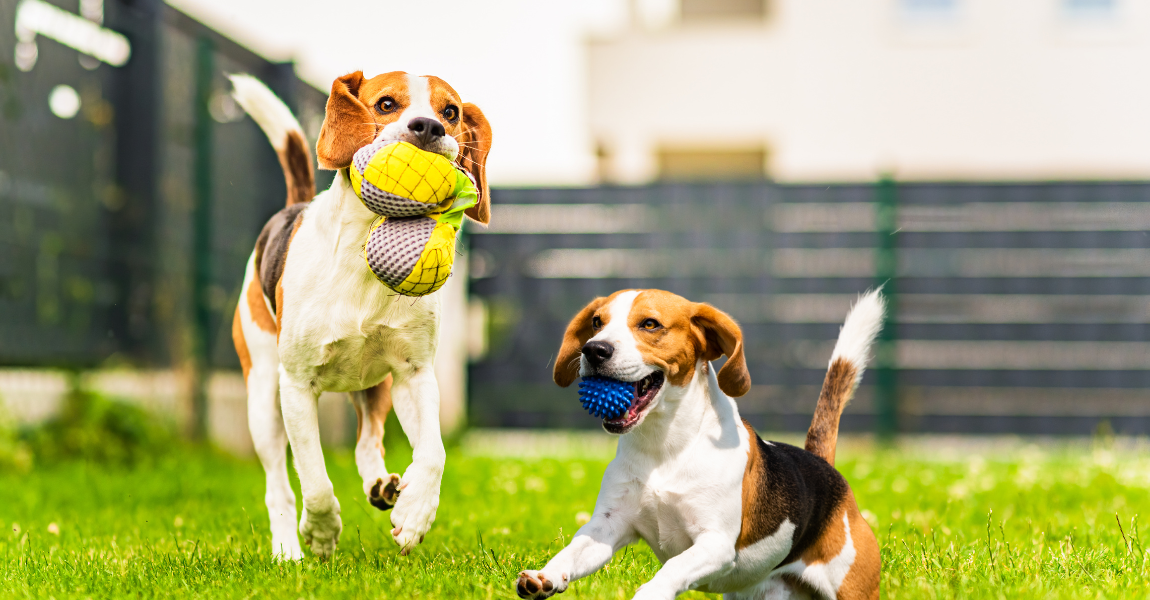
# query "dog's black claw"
(383, 496)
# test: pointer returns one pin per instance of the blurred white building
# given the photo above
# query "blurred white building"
(834, 90)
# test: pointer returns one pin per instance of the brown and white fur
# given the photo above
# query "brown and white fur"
(313, 318)
(724, 511)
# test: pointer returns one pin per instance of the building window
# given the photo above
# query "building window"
(706, 164)
(929, 10)
(1090, 9)
(712, 10)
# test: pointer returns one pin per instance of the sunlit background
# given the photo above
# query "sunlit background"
(988, 162)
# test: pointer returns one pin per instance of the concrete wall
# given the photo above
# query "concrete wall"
(32, 395)
(837, 90)
(451, 357)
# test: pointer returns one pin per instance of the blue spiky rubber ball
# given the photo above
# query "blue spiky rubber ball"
(606, 398)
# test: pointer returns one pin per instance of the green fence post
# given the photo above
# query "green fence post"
(202, 237)
(886, 275)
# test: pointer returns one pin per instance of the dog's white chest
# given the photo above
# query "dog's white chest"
(694, 491)
(665, 520)
(675, 506)
(361, 351)
(343, 330)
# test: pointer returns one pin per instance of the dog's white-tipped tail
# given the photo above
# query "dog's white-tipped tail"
(859, 331)
(848, 361)
(283, 131)
(265, 108)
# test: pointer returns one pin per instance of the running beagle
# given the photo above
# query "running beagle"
(724, 511)
(312, 317)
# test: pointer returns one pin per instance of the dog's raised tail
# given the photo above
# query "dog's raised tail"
(848, 361)
(283, 131)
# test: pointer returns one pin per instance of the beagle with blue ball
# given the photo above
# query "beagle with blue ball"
(724, 511)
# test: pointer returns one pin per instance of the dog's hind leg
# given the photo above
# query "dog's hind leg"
(320, 524)
(253, 332)
(774, 588)
(267, 427)
(371, 408)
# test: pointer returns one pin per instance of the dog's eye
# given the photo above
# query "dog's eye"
(451, 113)
(596, 322)
(650, 325)
(386, 104)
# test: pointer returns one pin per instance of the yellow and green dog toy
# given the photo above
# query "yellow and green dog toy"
(420, 197)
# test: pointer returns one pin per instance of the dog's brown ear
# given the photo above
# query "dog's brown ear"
(347, 125)
(578, 332)
(474, 144)
(719, 335)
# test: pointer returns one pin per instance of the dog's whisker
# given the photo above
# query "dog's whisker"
(468, 160)
(468, 141)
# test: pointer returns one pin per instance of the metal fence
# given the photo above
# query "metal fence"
(124, 230)
(1015, 307)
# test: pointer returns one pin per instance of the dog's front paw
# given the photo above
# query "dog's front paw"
(384, 493)
(649, 591)
(321, 531)
(286, 547)
(415, 509)
(533, 584)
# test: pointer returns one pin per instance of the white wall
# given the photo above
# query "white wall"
(34, 395)
(846, 90)
(451, 356)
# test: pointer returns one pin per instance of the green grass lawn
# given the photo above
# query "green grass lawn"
(972, 521)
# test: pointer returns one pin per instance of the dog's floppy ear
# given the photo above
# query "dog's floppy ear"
(578, 332)
(718, 335)
(474, 144)
(347, 125)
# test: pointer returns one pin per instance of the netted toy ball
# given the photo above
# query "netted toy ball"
(397, 179)
(411, 255)
(606, 398)
(421, 197)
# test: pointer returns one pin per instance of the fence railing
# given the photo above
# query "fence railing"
(124, 230)
(1016, 307)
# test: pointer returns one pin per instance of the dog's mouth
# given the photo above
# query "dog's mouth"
(440, 145)
(645, 391)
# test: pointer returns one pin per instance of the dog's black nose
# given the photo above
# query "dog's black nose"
(598, 352)
(426, 130)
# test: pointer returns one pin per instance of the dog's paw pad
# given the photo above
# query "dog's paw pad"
(385, 495)
(536, 586)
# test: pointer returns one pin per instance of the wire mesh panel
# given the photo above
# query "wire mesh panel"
(57, 192)
(99, 256)
(1016, 307)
